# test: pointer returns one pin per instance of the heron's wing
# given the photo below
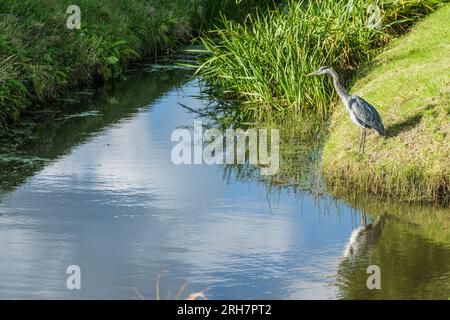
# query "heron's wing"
(366, 113)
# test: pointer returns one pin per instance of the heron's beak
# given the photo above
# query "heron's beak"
(311, 74)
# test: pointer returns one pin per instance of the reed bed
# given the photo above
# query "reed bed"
(262, 62)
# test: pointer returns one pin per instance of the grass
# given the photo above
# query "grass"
(41, 59)
(410, 86)
(263, 62)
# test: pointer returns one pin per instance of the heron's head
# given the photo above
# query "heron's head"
(322, 70)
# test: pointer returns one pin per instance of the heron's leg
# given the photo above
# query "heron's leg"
(360, 140)
(364, 132)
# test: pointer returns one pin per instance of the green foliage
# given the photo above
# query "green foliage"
(263, 61)
(40, 58)
(12, 90)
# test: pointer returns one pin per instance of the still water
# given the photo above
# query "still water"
(96, 188)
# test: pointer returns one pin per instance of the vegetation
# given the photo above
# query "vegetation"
(40, 58)
(263, 62)
(260, 60)
(409, 84)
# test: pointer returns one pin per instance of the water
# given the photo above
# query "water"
(108, 199)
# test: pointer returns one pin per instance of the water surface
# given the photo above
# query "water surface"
(108, 198)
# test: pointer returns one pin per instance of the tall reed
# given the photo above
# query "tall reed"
(263, 62)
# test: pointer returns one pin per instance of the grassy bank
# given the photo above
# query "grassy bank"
(40, 58)
(409, 84)
(263, 62)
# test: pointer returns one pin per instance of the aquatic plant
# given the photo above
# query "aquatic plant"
(263, 61)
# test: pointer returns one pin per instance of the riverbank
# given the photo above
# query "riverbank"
(409, 84)
(41, 59)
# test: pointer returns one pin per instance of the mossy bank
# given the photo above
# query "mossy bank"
(409, 83)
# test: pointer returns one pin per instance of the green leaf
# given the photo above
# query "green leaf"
(118, 43)
(112, 60)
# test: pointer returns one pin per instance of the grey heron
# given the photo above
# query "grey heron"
(362, 113)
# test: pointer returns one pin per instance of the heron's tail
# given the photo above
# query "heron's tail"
(380, 129)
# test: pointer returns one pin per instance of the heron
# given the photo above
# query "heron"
(362, 113)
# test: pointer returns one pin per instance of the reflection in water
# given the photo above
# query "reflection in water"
(59, 131)
(111, 201)
(363, 238)
(411, 246)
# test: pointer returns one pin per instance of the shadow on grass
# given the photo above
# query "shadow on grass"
(408, 123)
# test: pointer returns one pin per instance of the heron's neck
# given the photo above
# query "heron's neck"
(343, 94)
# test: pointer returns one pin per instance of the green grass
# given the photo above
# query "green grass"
(40, 58)
(263, 62)
(410, 86)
